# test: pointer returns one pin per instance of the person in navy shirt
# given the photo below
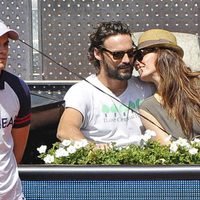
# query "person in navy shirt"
(15, 115)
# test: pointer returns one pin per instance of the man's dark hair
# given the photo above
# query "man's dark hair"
(103, 31)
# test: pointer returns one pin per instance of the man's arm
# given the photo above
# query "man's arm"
(161, 136)
(20, 137)
(69, 125)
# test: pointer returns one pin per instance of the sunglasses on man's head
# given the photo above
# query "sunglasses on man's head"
(139, 54)
(117, 55)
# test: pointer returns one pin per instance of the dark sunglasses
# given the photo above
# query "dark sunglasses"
(117, 55)
(139, 54)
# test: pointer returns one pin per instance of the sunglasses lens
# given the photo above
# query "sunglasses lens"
(118, 55)
(130, 53)
(138, 56)
(141, 53)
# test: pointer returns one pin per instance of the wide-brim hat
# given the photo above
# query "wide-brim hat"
(159, 38)
(12, 34)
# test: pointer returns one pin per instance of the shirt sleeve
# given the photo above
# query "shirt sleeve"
(24, 115)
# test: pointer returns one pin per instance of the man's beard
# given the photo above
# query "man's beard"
(115, 73)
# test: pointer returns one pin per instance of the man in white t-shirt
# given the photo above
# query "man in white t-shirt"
(102, 108)
(15, 114)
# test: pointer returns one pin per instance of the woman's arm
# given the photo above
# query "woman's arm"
(161, 136)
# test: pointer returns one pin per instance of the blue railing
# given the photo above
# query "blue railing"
(110, 182)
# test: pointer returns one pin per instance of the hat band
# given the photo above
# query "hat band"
(155, 42)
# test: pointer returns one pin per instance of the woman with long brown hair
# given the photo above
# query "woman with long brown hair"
(175, 107)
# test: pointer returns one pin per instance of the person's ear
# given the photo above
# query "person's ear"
(98, 54)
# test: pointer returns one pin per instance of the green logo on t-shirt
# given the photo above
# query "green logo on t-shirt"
(121, 108)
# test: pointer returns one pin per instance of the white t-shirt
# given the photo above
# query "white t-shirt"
(14, 112)
(105, 119)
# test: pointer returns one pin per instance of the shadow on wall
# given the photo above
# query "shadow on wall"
(46, 113)
(190, 43)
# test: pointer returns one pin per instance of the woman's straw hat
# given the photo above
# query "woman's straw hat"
(159, 38)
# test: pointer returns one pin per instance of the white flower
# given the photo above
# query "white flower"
(183, 143)
(162, 160)
(148, 135)
(71, 149)
(196, 140)
(150, 132)
(80, 143)
(61, 152)
(193, 151)
(77, 144)
(42, 149)
(49, 159)
(84, 142)
(168, 138)
(66, 142)
(173, 147)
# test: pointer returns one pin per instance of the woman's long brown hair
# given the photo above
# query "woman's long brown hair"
(179, 88)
